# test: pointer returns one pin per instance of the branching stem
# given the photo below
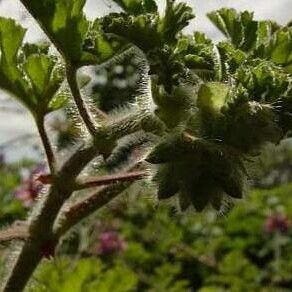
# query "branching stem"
(85, 207)
(109, 179)
(83, 111)
(40, 122)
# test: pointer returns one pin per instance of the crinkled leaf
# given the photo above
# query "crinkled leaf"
(197, 52)
(64, 23)
(171, 148)
(166, 181)
(230, 59)
(278, 49)
(141, 30)
(263, 81)
(176, 17)
(212, 96)
(229, 22)
(11, 79)
(244, 32)
(39, 69)
(99, 47)
(251, 125)
(136, 7)
(31, 48)
(26, 72)
(184, 201)
(58, 101)
(149, 30)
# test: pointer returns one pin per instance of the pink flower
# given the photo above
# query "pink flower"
(110, 242)
(30, 187)
(277, 223)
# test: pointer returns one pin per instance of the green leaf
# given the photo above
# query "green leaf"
(31, 48)
(98, 47)
(230, 59)
(212, 96)
(28, 74)
(198, 54)
(166, 181)
(11, 79)
(64, 23)
(175, 19)
(243, 31)
(11, 39)
(148, 30)
(39, 69)
(172, 148)
(136, 7)
(229, 23)
(278, 49)
(141, 30)
(263, 81)
(58, 101)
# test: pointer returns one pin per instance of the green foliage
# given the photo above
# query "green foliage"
(198, 54)
(188, 251)
(136, 7)
(172, 251)
(84, 274)
(11, 209)
(64, 22)
(235, 97)
(244, 32)
(29, 74)
(186, 168)
(278, 48)
(174, 20)
(73, 35)
(148, 30)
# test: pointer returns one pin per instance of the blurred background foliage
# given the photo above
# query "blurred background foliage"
(138, 244)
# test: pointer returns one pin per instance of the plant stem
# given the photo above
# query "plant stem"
(41, 225)
(40, 122)
(86, 207)
(109, 179)
(72, 81)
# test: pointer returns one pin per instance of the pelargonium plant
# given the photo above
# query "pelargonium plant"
(202, 113)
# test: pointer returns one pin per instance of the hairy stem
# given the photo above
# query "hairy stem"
(41, 228)
(109, 179)
(83, 111)
(86, 207)
(41, 225)
(40, 122)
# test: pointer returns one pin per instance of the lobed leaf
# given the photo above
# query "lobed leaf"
(241, 29)
(136, 7)
(278, 49)
(27, 72)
